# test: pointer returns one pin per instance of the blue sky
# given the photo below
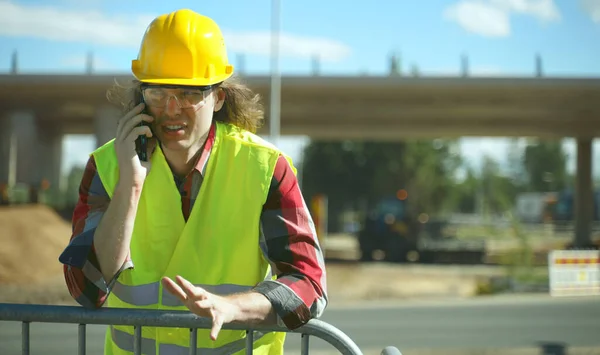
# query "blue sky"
(500, 37)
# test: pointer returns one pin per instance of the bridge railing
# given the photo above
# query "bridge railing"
(28, 314)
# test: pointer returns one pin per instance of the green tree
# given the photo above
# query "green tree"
(331, 168)
(545, 164)
(73, 182)
(465, 194)
(352, 173)
(431, 168)
(498, 189)
(516, 167)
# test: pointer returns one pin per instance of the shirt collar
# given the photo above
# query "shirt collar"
(206, 150)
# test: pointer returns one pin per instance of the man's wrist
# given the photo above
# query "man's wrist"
(251, 307)
(128, 190)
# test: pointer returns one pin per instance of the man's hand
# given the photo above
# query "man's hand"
(205, 304)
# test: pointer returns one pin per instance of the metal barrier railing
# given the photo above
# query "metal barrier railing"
(139, 318)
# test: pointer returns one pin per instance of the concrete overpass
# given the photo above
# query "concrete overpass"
(40, 109)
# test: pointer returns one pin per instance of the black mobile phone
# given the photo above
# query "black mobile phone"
(141, 143)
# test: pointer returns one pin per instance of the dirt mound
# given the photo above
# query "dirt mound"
(352, 282)
(31, 239)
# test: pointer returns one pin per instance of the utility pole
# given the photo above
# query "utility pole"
(316, 65)
(274, 119)
(464, 66)
(539, 70)
(89, 63)
(241, 64)
(14, 65)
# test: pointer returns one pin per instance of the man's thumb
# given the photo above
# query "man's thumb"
(216, 328)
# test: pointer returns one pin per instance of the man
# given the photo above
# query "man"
(213, 221)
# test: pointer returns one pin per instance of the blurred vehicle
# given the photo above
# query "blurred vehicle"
(391, 232)
(556, 207)
(563, 209)
(535, 207)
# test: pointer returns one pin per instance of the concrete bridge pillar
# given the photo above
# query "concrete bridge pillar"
(24, 127)
(19, 149)
(105, 124)
(30, 152)
(50, 147)
(5, 148)
(584, 194)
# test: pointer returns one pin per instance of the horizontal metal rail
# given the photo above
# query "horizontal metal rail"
(157, 318)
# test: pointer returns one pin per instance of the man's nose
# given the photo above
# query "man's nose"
(172, 107)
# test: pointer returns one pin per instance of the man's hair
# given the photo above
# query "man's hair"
(242, 106)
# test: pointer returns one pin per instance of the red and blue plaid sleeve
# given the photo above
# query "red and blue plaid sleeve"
(290, 243)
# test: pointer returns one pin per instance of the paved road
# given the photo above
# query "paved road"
(483, 323)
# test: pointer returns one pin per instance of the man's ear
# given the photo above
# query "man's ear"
(220, 99)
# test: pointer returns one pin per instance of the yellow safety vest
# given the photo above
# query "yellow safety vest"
(218, 248)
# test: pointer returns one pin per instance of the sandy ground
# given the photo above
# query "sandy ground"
(32, 237)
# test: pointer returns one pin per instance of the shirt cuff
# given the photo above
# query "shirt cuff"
(291, 310)
(80, 254)
(79, 250)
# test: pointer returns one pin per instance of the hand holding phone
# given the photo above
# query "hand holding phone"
(131, 143)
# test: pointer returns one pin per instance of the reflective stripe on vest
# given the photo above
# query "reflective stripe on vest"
(124, 341)
(147, 294)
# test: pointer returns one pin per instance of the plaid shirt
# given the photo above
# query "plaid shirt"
(292, 247)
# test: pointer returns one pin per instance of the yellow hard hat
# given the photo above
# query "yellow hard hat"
(182, 48)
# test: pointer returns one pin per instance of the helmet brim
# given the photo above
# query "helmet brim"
(184, 81)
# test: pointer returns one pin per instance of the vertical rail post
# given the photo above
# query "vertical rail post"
(249, 342)
(193, 341)
(304, 344)
(25, 338)
(81, 343)
(137, 340)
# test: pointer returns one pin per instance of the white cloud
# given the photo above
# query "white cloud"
(87, 26)
(290, 45)
(592, 7)
(56, 24)
(544, 10)
(481, 18)
(491, 18)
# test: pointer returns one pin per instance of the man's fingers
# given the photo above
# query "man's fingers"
(195, 292)
(130, 126)
(197, 300)
(138, 131)
(217, 324)
(174, 288)
(134, 112)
